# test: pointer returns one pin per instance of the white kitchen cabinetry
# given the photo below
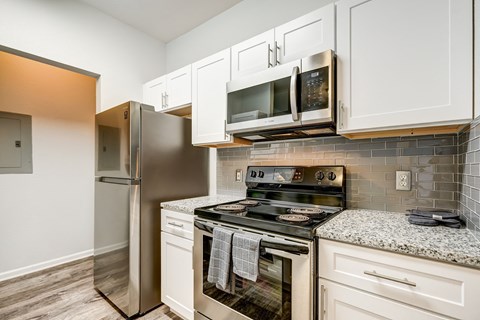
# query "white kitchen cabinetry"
(307, 35)
(357, 281)
(154, 92)
(176, 262)
(253, 55)
(299, 38)
(345, 303)
(403, 64)
(209, 99)
(171, 91)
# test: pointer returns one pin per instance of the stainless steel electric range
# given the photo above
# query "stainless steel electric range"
(284, 205)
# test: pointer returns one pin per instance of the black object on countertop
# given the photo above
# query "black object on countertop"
(434, 218)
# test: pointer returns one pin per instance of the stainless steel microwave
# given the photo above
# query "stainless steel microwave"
(294, 100)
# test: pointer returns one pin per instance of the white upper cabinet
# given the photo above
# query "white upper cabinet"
(307, 35)
(171, 91)
(302, 37)
(403, 64)
(209, 99)
(154, 93)
(179, 88)
(253, 55)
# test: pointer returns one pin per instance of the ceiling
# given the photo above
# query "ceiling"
(162, 19)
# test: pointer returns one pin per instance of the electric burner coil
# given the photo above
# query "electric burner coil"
(306, 211)
(248, 203)
(293, 218)
(230, 208)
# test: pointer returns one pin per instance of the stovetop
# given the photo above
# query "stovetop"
(277, 189)
(265, 216)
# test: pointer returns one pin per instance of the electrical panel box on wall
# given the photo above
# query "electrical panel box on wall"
(15, 143)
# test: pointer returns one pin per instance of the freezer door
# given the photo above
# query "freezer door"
(116, 242)
(117, 141)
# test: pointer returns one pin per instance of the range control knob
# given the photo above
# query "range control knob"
(319, 175)
(331, 176)
(261, 174)
(253, 174)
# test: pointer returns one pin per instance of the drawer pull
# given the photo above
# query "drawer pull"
(178, 225)
(377, 275)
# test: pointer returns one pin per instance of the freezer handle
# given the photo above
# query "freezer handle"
(122, 181)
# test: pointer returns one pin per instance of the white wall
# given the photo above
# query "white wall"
(74, 34)
(47, 217)
(244, 20)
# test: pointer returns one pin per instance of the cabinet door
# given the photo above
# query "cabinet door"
(154, 91)
(307, 35)
(209, 99)
(403, 63)
(177, 274)
(179, 88)
(338, 302)
(253, 55)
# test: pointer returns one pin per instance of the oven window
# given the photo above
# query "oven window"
(268, 298)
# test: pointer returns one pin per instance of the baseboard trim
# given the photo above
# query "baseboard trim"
(44, 265)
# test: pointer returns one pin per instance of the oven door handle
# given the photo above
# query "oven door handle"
(290, 248)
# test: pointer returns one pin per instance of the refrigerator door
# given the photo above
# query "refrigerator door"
(172, 169)
(117, 243)
(117, 141)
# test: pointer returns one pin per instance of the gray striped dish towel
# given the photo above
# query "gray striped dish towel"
(219, 266)
(245, 253)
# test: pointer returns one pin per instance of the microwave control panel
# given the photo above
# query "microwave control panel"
(315, 89)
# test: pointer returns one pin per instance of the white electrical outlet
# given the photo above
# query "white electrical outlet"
(403, 180)
(238, 175)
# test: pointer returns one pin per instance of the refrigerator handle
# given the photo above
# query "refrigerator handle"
(137, 164)
(122, 181)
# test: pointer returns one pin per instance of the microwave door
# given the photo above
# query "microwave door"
(264, 100)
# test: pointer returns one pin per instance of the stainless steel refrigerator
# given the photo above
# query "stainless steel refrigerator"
(142, 158)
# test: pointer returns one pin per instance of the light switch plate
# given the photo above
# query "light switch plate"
(238, 175)
(403, 180)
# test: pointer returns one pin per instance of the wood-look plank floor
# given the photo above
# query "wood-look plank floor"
(63, 292)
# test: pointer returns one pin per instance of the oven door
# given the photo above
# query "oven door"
(284, 288)
(265, 100)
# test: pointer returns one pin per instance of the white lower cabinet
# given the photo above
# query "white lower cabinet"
(363, 283)
(345, 303)
(176, 257)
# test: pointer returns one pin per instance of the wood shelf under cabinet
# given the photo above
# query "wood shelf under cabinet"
(405, 132)
(236, 143)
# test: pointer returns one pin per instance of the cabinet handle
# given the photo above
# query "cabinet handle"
(163, 100)
(277, 54)
(270, 52)
(227, 136)
(166, 100)
(178, 225)
(341, 111)
(322, 302)
(402, 281)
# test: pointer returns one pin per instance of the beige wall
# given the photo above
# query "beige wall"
(48, 215)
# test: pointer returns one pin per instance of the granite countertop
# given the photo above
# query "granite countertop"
(392, 232)
(189, 205)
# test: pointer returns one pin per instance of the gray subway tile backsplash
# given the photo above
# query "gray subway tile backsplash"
(445, 169)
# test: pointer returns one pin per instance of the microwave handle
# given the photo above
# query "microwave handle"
(293, 93)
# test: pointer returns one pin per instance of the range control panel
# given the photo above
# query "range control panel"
(329, 176)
